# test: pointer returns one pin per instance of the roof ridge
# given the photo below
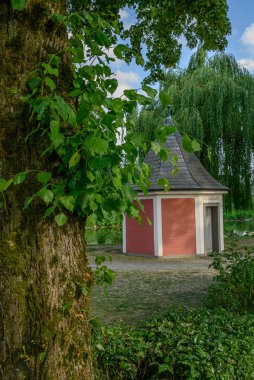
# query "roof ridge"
(180, 145)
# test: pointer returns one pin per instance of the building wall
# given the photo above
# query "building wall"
(178, 226)
(140, 238)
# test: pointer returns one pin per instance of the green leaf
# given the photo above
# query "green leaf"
(131, 94)
(49, 69)
(102, 39)
(1, 204)
(111, 85)
(28, 201)
(56, 138)
(43, 177)
(34, 83)
(209, 154)
(58, 18)
(49, 82)
(164, 183)
(120, 49)
(46, 195)
(187, 144)
(98, 163)
(54, 129)
(96, 145)
(42, 356)
(74, 160)
(164, 154)
(61, 219)
(195, 146)
(18, 5)
(72, 118)
(150, 91)
(54, 59)
(49, 211)
(155, 147)
(3, 183)
(140, 60)
(19, 178)
(165, 99)
(128, 193)
(68, 202)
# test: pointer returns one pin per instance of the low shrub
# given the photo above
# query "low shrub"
(233, 286)
(112, 219)
(187, 344)
(238, 214)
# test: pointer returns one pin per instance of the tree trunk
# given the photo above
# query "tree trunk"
(44, 274)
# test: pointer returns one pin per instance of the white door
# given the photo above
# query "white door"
(208, 230)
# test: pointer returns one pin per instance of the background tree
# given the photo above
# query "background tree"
(212, 101)
(58, 148)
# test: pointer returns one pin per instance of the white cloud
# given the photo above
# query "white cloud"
(248, 36)
(248, 63)
(127, 17)
(126, 81)
(123, 14)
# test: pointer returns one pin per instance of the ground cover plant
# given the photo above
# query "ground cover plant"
(212, 342)
(185, 344)
(233, 286)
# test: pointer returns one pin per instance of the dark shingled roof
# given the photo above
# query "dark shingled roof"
(191, 176)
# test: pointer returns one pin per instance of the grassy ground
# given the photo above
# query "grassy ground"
(137, 295)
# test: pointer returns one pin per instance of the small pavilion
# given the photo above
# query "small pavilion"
(187, 220)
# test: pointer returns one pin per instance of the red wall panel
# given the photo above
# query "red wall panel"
(178, 226)
(140, 237)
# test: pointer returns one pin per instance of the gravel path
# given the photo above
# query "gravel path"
(123, 263)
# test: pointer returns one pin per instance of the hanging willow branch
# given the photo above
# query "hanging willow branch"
(213, 101)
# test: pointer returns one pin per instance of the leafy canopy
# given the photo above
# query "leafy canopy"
(91, 172)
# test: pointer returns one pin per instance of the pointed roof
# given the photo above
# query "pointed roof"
(191, 176)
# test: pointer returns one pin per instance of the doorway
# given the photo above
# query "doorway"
(211, 228)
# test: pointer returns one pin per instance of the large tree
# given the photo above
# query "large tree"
(58, 148)
(212, 101)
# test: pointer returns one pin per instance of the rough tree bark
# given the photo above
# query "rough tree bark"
(44, 333)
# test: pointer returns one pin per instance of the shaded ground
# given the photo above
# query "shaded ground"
(147, 286)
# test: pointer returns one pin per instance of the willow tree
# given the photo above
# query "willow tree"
(60, 161)
(212, 100)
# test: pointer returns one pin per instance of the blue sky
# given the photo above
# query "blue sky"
(240, 44)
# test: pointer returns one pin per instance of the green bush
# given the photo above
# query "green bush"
(233, 287)
(187, 344)
(112, 219)
(238, 214)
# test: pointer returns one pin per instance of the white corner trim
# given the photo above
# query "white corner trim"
(157, 227)
(124, 233)
(221, 226)
(199, 226)
(160, 244)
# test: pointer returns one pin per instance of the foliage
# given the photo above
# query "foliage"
(238, 214)
(103, 276)
(212, 101)
(233, 286)
(186, 344)
(206, 21)
(113, 219)
(79, 131)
